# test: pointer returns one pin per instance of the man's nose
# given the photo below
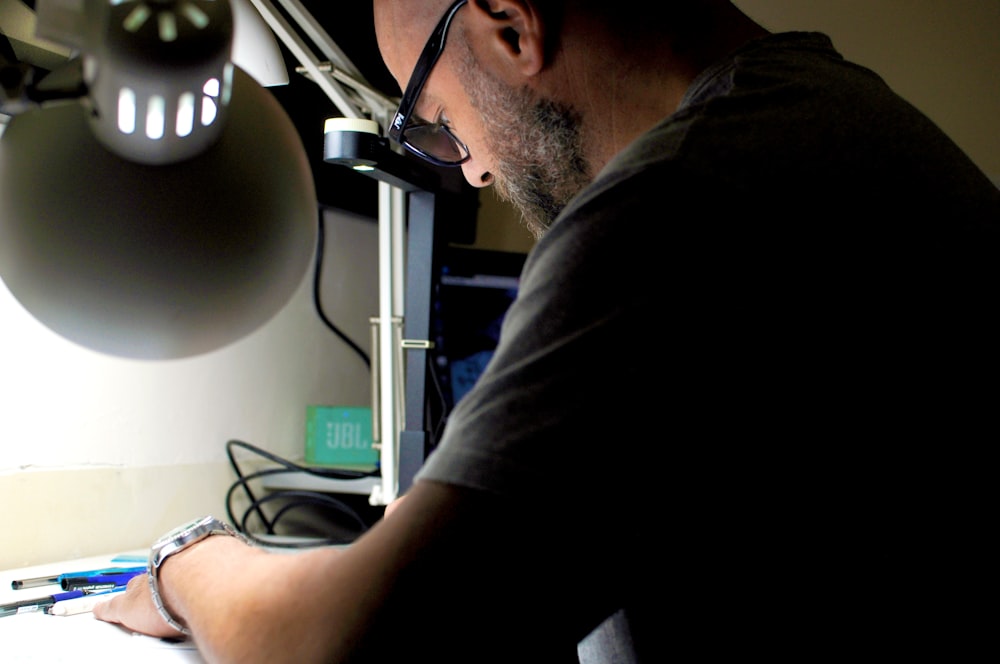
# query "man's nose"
(475, 176)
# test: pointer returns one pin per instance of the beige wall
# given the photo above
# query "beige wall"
(63, 514)
(499, 226)
(100, 455)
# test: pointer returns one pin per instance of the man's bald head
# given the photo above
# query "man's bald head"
(402, 27)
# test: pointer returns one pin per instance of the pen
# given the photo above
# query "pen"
(34, 582)
(83, 604)
(97, 582)
(49, 580)
(37, 604)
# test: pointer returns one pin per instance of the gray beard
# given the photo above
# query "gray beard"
(536, 144)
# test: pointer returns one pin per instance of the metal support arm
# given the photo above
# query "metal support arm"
(350, 93)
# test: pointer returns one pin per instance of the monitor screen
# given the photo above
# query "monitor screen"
(473, 290)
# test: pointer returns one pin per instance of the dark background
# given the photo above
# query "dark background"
(351, 25)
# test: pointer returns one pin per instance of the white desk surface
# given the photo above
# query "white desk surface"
(39, 637)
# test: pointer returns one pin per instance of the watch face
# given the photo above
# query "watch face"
(196, 527)
(180, 537)
(179, 531)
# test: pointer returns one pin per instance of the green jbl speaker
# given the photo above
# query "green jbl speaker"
(340, 436)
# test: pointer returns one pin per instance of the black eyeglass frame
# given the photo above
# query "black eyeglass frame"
(421, 72)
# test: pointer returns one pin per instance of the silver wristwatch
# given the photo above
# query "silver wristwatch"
(175, 541)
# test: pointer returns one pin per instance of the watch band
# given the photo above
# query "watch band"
(176, 541)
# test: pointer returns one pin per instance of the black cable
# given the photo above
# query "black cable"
(301, 498)
(437, 428)
(317, 301)
(304, 498)
(241, 481)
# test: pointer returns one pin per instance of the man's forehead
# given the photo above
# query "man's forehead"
(408, 20)
(402, 27)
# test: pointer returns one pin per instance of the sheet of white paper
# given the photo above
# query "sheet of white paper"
(39, 637)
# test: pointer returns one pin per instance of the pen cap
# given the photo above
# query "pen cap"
(98, 581)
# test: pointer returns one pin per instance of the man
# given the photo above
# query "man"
(737, 400)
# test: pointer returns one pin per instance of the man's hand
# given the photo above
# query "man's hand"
(134, 609)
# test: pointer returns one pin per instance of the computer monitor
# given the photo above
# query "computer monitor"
(470, 296)
(467, 297)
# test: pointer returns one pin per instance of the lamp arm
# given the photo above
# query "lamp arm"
(343, 83)
(329, 75)
(385, 102)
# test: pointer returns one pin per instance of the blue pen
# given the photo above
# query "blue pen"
(37, 604)
(57, 578)
(98, 581)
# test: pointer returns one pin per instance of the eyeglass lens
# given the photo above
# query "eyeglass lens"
(436, 141)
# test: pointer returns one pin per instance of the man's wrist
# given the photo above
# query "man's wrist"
(174, 542)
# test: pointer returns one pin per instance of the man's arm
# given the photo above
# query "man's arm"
(245, 604)
(435, 577)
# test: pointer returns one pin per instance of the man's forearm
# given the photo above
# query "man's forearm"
(244, 604)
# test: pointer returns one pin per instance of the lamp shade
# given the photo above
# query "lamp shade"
(156, 261)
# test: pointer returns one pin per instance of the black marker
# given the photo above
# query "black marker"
(96, 582)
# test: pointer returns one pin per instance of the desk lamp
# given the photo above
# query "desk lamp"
(157, 202)
(177, 248)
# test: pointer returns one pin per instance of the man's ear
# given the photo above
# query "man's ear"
(512, 30)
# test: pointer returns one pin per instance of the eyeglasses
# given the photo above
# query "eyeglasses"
(433, 141)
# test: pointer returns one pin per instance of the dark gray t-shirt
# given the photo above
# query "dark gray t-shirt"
(743, 351)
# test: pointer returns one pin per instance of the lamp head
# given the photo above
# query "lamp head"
(160, 78)
(178, 237)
